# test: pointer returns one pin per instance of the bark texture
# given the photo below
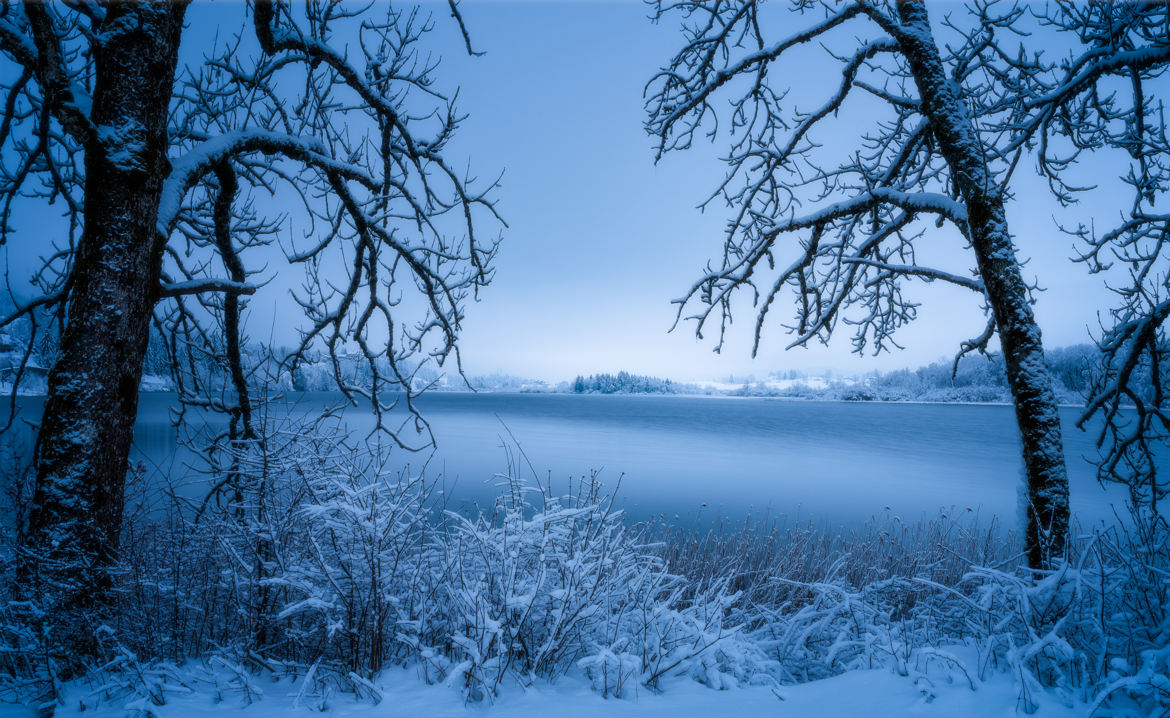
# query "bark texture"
(86, 430)
(1019, 335)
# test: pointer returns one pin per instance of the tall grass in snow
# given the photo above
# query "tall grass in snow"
(327, 567)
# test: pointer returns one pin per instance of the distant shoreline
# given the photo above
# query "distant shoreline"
(682, 395)
(659, 395)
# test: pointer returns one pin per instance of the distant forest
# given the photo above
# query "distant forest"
(626, 383)
(978, 379)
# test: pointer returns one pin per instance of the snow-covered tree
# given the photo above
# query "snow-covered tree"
(1107, 94)
(944, 125)
(173, 168)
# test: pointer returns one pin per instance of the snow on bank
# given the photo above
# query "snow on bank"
(856, 694)
(39, 387)
(772, 385)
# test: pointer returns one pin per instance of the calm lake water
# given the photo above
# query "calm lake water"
(700, 457)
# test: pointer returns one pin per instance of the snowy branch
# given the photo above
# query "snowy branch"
(201, 286)
(927, 273)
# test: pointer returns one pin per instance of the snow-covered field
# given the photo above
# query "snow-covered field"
(857, 694)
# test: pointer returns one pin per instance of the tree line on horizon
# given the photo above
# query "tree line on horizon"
(626, 383)
(970, 379)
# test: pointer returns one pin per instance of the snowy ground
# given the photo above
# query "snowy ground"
(862, 694)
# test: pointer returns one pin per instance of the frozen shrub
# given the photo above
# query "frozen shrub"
(320, 562)
(896, 595)
(357, 588)
(322, 566)
(540, 589)
(321, 556)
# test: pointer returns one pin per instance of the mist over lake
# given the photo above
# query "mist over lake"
(703, 457)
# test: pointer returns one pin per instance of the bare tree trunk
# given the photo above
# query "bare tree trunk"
(1019, 336)
(84, 440)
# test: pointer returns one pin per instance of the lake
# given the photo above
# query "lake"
(703, 457)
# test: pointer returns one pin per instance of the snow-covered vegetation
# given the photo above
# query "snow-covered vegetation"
(626, 383)
(974, 379)
(26, 355)
(977, 379)
(321, 568)
(178, 179)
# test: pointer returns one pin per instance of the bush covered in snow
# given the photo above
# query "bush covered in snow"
(323, 566)
(320, 562)
(920, 597)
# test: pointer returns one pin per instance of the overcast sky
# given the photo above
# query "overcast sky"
(600, 239)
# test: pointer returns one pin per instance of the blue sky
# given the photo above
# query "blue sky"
(600, 239)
